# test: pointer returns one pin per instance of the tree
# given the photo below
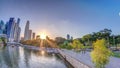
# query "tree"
(106, 34)
(77, 44)
(59, 40)
(87, 38)
(4, 41)
(66, 45)
(100, 55)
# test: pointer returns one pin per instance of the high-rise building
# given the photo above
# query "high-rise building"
(12, 30)
(2, 27)
(30, 34)
(33, 35)
(18, 34)
(71, 38)
(18, 21)
(17, 31)
(26, 33)
(68, 37)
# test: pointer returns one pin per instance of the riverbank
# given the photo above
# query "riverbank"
(49, 50)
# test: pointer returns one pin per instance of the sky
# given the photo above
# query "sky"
(62, 17)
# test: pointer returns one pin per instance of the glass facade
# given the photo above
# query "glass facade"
(2, 27)
(11, 29)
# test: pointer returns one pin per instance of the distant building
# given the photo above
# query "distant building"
(13, 30)
(33, 35)
(18, 34)
(30, 35)
(26, 33)
(71, 38)
(68, 37)
(9, 29)
(2, 27)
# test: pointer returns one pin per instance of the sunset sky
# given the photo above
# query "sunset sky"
(61, 17)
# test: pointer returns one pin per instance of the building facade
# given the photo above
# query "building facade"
(13, 30)
(30, 35)
(26, 33)
(2, 27)
(33, 35)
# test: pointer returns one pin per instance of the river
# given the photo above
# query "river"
(20, 57)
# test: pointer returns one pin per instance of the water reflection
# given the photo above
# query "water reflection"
(18, 57)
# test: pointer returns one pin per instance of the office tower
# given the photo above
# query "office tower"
(18, 21)
(17, 31)
(68, 37)
(18, 34)
(30, 35)
(26, 33)
(33, 35)
(71, 38)
(12, 30)
(2, 27)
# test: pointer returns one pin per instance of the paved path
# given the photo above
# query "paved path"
(86, 59)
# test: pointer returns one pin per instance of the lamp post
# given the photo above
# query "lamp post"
(114, 41)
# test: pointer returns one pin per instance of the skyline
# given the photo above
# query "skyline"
(59, 18)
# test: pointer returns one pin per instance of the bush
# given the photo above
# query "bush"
(100, 55)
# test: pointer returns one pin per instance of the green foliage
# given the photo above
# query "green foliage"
(77, 44)
(102, 34)
(100, 55)
(3, 40)
(0, 40)
(66, 45)
(31, 42)
(115, 54)
(59, 40)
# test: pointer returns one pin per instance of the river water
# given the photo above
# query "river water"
(20, 57)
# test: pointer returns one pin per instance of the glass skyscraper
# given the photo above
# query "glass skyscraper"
(2, 27)
(13, 30)
(26, 33)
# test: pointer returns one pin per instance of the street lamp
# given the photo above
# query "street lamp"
(114, 41)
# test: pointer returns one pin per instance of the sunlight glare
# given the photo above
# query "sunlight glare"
(43, 36)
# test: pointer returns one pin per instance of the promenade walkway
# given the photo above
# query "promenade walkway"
(86, 59)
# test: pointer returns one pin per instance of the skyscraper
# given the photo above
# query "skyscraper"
(2, 27)
(26, 33)
(33, 35)
(18, 34)
(68, 37)
(17, 31)
(30, 34)
(10, 27)
(12, 30)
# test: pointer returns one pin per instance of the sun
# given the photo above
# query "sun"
(43, 36)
